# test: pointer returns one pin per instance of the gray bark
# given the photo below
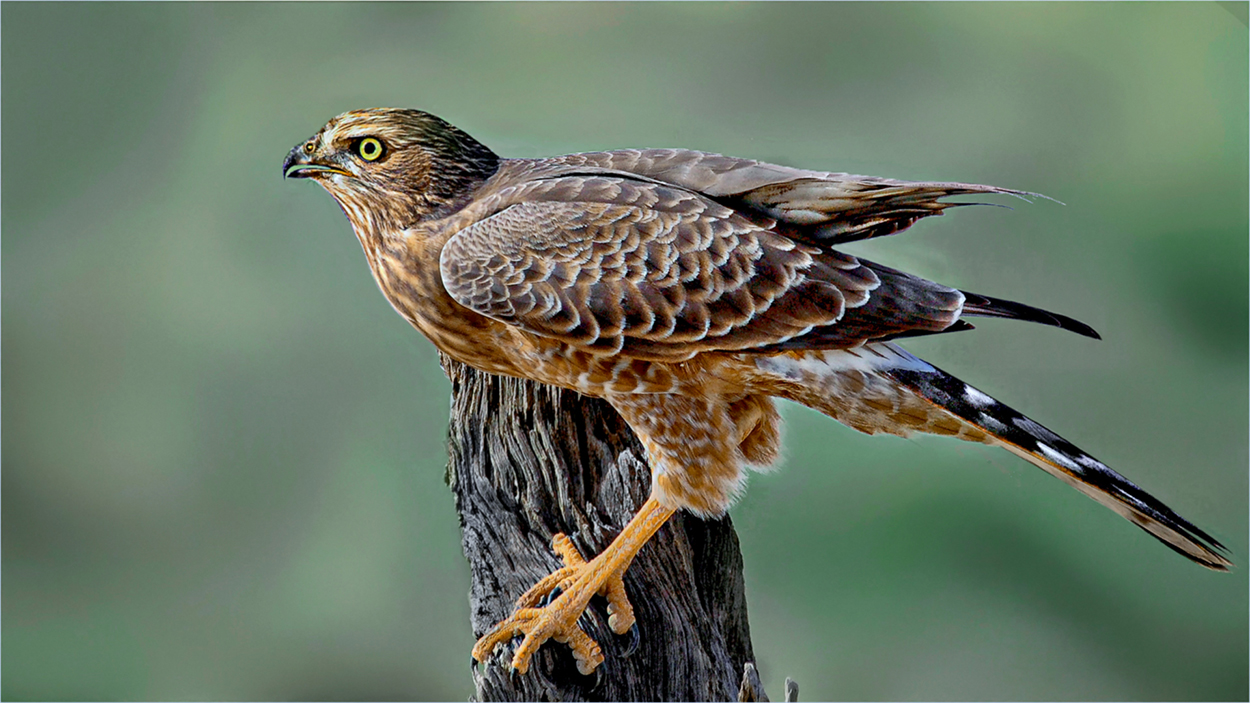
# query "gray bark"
(529, 460)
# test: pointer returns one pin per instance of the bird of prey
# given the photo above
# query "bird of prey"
(688, 290)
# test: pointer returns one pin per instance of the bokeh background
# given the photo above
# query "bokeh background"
(224, 452)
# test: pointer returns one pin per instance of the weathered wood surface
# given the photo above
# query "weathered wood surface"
(528, 461)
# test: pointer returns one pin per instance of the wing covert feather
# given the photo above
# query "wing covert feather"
(619, 266)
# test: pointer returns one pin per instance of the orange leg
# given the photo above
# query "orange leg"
(578, 581)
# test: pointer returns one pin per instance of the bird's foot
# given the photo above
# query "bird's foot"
(552, 607)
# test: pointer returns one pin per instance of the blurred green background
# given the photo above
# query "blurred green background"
(224, 452)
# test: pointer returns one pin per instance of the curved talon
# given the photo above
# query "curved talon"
(514, 676)
(473, 663)
(552, 608)
(552, 595)
(634, 639)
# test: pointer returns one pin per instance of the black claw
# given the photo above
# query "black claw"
(634, 638)
(514, 676)
(473, 663)
(551, 595)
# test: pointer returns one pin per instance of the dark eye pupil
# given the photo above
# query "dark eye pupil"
(370, 148)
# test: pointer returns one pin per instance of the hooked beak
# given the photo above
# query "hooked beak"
(297, 165)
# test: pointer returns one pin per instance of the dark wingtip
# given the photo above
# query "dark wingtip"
(985, 306)
(1073, 325)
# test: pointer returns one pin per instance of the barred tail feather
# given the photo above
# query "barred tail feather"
(1060, 458)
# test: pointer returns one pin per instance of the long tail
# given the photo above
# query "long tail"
(883, 388)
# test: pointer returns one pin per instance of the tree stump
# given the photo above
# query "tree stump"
(528, 461)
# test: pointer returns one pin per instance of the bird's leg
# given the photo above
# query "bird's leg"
(577, 582)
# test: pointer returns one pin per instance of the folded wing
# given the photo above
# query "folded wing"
(652, 271)
(644, 253)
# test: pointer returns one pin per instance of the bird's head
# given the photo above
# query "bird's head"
(389, 168)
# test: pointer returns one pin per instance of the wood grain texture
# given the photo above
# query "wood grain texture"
(529, 460)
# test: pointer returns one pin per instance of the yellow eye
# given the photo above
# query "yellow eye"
(308, 148)
(369, 149)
